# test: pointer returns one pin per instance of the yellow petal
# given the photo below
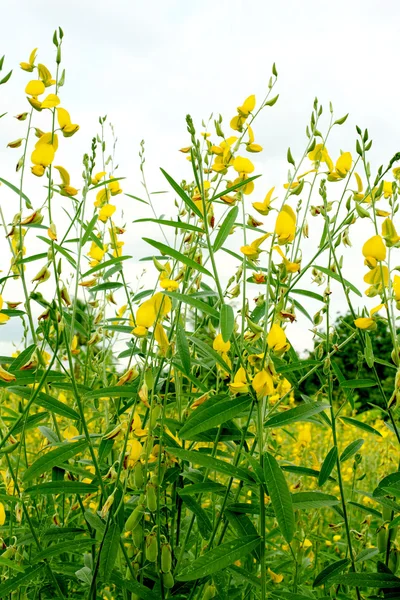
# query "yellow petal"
(375, 247)
(35, 87)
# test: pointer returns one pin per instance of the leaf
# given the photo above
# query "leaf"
(328, 465)
(203, 522)
(341, 379)
(281, 498)
(182, 194)
(22, 358)
(227, 322)
(225, 228)
(341, 120)
(338, 278)
(168, 251)
(272, 101)
(183, 348)
(95, 522)
(109, 551)
(116, 391)
(202, 488)
(212, 413)
(104, 183)
(234, 187)
(55, 549)
(210, 352)
(198, 458)
(103, 265)
(299, 413)
(19, 193)
(59, 249)
(133, 586)
(175, 224)
(368, 580)
(309, 294)
(366, 554)
(358, 383)
(197, 304)
(15, 583)
(368, 352)
(361, 425)
(290, 158)
(351, 450)
(243, 525)
(330, 571)
(88, 229)
(85, 575)
(61, 487)
(46, 401)
(53, 458)
(106, 286)
(11, 564)
(311, 500)
(219, 558)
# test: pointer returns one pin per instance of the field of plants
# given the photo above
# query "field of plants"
(163, 440)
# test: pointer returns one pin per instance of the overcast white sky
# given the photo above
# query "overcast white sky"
(147, 64)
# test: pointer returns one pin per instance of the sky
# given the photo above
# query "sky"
(146, 65)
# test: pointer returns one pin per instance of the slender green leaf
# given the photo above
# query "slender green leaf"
(330, 571)
(133, 586)
(281, 498)
(225, 228)
(53, 458)
(182, 194)
(195, 303)
(175, 224)
(61, 487)
(198, 458)
(202, 519)
(337, 278)
(167, 250)
(19, 193)
(109, 551)
(16, 583)
(235, 187)
(311, 500)
(183, 348)
(351, 450)
(368, 580)
(328, 465)
(361, 425)
(358, 383)
(300, 413)
(227, 322)
(212, 413)
(55, 549)
(219, 558)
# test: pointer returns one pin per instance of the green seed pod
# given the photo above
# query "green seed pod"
(151, 547)
(131, 550)
(137, 535)
(393, 560)
(134, 518)
(382, 538)
(151, 497)
(154, 415)
(387, 513)
(168, 580)
(166, 558)
(138, 475)
(209, 591)
(393, 533)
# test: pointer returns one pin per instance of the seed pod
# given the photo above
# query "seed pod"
(166, 558)
(134, 518)
(151, 547)
(151, 497)
(155, 413)
(393, 533)
(382, 538)
(138, 475)
(168, 580)
(393, 560)
(137, 535)
(209, 591)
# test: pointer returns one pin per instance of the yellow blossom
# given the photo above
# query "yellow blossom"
(35, 88)
(243, 165)
(3, 317)
(239, 384)
(285, 227)
(64, 120)
(29, 66)
(253, 250)
(276, 339)
(263, 384)
(5, 375)
(374, 250)
(264, 207)
(106, 212)
(219, 345)
(275, 577)
(389, 233)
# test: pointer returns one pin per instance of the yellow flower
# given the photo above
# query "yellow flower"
(106, 212)
(389, 233)
(5, 375)
(156, 307)
(320, 154)
(114, 188)
(239, 384)
(252, 252)
(243, 165)
(64, 120)
(44, 153)
(35, 88)
(343, 166)
(291, 267)
(396, 173)
(396, 287)
(50, 101)
(70, 432)
(263, 384)
(135, 449)
(29, 66)
(387, 189)
(161, 338)
(275, 577)
(374, 277)
(285, 227)
(96, 253)
(220, 346)
(45, 75)
(2, 514)
(98, 177)
(368, 323)
(65, 188)
(264, 207)
(3, 317)
(247, 106)
(276, 339)
(374, 249)
(74, 345)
